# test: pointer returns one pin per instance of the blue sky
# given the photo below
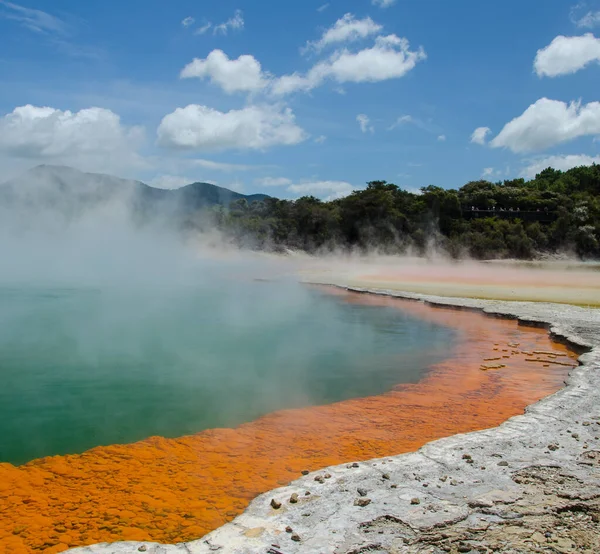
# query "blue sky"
(300, 97)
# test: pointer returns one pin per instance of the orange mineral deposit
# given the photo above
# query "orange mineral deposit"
(173, 490)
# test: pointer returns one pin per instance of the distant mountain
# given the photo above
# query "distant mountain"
(72, 192)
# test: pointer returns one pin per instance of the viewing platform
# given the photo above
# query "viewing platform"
(524, 215)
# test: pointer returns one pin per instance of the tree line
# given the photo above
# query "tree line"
(556, 211)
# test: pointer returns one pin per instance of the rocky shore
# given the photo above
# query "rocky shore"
(530, 485)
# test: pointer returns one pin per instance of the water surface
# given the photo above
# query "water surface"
(82, 367)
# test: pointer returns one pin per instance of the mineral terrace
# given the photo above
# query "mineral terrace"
(529, 485)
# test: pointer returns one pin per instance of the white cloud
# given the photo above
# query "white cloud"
(94, 138)
(241, 75)
(220, 166)
(330, 190)
(558, 162)
(548, 123)
(487, 171)
(365, 123)
(442, 138)
(235, 23)
(34, 20)
(400, 121)
(425, 125)
(390, 58)
(479, 135)
(188, 21)
(203, 29)
(320, 139)
(346, 29)
(566, 55)
(589, 20)
(170, 181)
(273, 181)
(383, 3)
(251, 128)
(322, 8)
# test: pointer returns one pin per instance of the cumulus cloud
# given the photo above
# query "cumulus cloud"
(566, 55)
(251, 128)
(235, 23)
(328, 190)
(365, 123)
(273, 181)
(94, 138)
(558, 162)
(479, 135)
(548, 123)
(442, 138)
(383, 3)
(346, 29)
(241, 75)
(389, 58)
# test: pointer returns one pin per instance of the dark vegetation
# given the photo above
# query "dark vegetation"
(555, 212)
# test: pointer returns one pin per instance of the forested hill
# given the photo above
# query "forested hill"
(556, 211)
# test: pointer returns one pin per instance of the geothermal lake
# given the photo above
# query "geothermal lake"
(82, 367)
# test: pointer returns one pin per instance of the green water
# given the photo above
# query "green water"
(95, 366)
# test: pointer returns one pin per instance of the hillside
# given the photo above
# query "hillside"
(556, 212)
(72, 192)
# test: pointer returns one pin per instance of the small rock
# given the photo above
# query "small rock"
(538, 537)
(444, 478)
(553, 447)
(415, 501)
(319, 479)
(328, 476)
(575, 436)
(466, 456)
(142, 548)
(385, 476)
(464, 548)
(355, 464)
(394, 487)
(305, 472)
(296, 537)
(361, 491)
(288, 529)
(425, 485)
(503, 463)
(307, 493)
(275, 504)
(362, 502)
(294, 498)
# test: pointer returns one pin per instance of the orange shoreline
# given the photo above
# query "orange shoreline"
(175, 490)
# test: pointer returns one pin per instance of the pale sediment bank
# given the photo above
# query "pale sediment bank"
(530, 485)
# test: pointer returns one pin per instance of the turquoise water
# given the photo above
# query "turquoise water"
(94, 366)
